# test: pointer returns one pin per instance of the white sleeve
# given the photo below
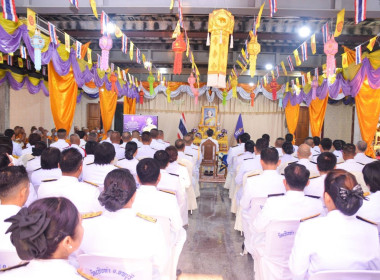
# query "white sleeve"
(245, 201)
(299, 260)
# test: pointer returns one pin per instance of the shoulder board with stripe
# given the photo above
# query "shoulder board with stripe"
(365, 220)
(253, 175)
(89, 163)
(174, 174)
(313, 196)
(316, 176)
(180, 163)
(361, 163)
(14, 266)
(146, 217)
(86, 276)
(121, 159)
(189, 155)
(91, 215)
(240, 154)
(292, 162)
(313, 162)
(48, 180)
(37, 169)
(366, 193)
(31, 158)
(275, 194)
(248, 158)
(195, 149)
(234, 146)
(311, 217)
(91, 183)
(169, 192)
(154, 149)
(118, 166)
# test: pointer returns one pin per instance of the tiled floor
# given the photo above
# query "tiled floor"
(213, 247)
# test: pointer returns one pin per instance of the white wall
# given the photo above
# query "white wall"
(338, 122)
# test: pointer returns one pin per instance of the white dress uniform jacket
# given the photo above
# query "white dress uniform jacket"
(123, 234)
(362, 158)
(56, 269)
(17, 150)
(88, 159)
(188, 157)
(96, 173)
(119, 151)
(139, 144)
(7, 211)
(27, 150)
(338, 154)
(334, 242)
(167, 144)
(370, 209)
(44, 174)
(32, 196)
(239, 159)
(83, 196)
(312, 167)
(213, 140)
(129, 164)
(60, 144)
(145, 152)
(250, 164)
(33, 165)
(196, 153)
(156, 145)
(288, 158)
(350, 165)
(82, 143)
(233, 152)
(75, 146)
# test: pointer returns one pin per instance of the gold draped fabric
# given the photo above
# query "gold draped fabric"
(292, 114)
(63, 97)
(108, 101)
(317, 111)
(129, 105)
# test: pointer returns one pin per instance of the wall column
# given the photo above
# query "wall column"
(4, 106)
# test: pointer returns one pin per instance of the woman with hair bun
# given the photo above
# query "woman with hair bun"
(45, 234)
(129, 162)
(341, 240)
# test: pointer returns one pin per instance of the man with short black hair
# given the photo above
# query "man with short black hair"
(145, 151)
(210, 133)
(325, 145)
(161, 137)
(90, 150)
(83, 195)
(33, 139)
(83, 136)
(180, 146)
(61, 142)
(126, 137)
(317, 141)
(338, 146)
(349, 164)
(360, 156)
(245, 162)
(266, 137)
(136, 138)
(17, 150)
(238, 149)
(155, 144)
(92, 136)
(278, 145)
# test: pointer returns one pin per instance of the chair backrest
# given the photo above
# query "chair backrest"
(8, 259)
(111, 268)
(208, 149)
(346, 275)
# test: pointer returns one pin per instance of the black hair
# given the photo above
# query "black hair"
(34, 138)
(249, 146)
(261, 144)
(71, 160)
(288, 148)
(39, 147)
(6, 149)
(11, 177)
(316, 140)
(90, 147)
(61, 133)
(269, 155)
(104, 153)
(9, 132)
(119, 188)
(349, 149)
(4, 160)
(130, 150)
(146, 137)
(289, 137)
(266, 137)
(154, 133)
(209, 132)
(81, 134)
(244, 137)
(297, 176)
(326, 161)
(173, 153)
(50, 158)
(148, 171)
(371, 174)
(326, 144)
(337, 145)
(336, 182)
(162, 158)
(179, 144)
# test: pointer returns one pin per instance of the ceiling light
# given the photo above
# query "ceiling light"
(110, 28)
(251, 84)
(268, 66)
(304, 31)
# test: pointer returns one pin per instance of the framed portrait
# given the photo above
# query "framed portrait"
(209, 115)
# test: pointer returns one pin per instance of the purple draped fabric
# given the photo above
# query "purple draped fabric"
(17, 86)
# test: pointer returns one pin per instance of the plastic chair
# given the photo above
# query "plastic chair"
(346, 275)
(111, 268)
(8, 259)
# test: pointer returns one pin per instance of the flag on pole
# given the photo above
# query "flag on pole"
(344, 60)
(31, 19)
(313, 44)
(239, 129)
(78, 48)
(303, 80)
(10, 60)
(104, 20)
(308, 76)
(339, 23)
(371, 43)
(304, 51)
(67, 42)
(358, 54)
(89, 56)
(20, 62)
(316, 74)
(290, 62)
(297, 57)
(138, 56)
(23, 53)
(182, 131)
(273, 7)
(53, 34)
(257, 25)
(75, 3)
(325, 32)
(284, 68)
(124, 43)
(360, 10)
(9, 10)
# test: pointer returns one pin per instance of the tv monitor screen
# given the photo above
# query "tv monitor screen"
(140, 122)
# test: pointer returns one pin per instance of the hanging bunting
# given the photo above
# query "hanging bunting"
(273, 85)
(89, 56)
(358, 54)
(187, 47)
(360, 10)
(371, 43)
(180, 16)
(178, 47)
(20, 62)
(67, 42)
(118, 32)
(304, 51)
(38, 43)
(339, 23)
(273, 7)
(53, 34)
(124, 43)
(151, 80)
(93, 7)
(171, 4)
(75, 3)
(314, 86)
(287, 87)
(258, 20)
(138, 56)
(313, 44)
(344, 60)
(124, 75)
(9, 10)
(284, 68)
(31, 19)
(23, 52)
(131, 50)
(272, 74)
(325, 32)
(177, 30)
(297, 57)
(265, 79)
(303, 80)
(290, 62)
(104, 20)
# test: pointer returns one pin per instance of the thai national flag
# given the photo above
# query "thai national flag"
(316, 74)
(304, 51)
(290, 63)
(9, 10)
(124, 43)
(28, 64)
(277, 72)
(10, 60)
(23, 52)
(325, 32)
(358, 52)
(303, 80)
(182, 131)
(75, 3)
(273, 7)
(78, 48)
(104, 20)
(360, 10)
(53, 34)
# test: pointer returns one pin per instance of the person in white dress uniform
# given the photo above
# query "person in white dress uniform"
(122, 231)
(371, 207)
(161, 138)
(278, 145)
(14, 191)
(90, 150)
(260, 186)
(145, 151)
(61, 142)
(46, 233)
(289, 138)
(155, 144)
(325, 146)
(317, 142)
(238, 149)
(115, 140)
(83, 138)
(195, 151)
(33, 139)
(129, 161)
(338, 146)
(151, 201)
(75, 143)
(304, 153)
(341, 240)
(126, 137)
(287, 153)
(294, 205)
(136, 138)
(360, 156)
(108, 138)
(83, 195)
(17, 150)
(103, 156)
(350, 164)
(310, 142)
(210, 133)
(49, 167)
(34, 163)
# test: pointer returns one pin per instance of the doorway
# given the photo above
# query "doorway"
(302, 130)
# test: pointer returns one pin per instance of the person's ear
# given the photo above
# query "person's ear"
(308, 183)
(67, 244)
(278, 163)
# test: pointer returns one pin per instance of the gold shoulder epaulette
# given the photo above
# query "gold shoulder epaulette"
(365, 220)
(316, 176)
(240, 154)
(248, 158)
(118, 166)
(37, 169)
(146, 217)
(180, 163)
(121, 159)
(91, 215)
(31, 158)
(92, 184)
(16, 157)
(48, 180)
(366, 193)
(311, 217)
(154, 149)
(86, 276)
(292, 162)
(14, 266)
(253, 175)
(89, 163)
(169, 192)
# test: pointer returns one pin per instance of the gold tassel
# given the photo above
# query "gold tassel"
(208, 39)
(232, 42)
